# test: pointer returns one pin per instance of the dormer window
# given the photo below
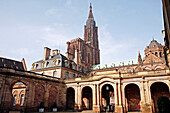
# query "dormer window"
(59, 62)
(66, 64)
(47, 64)
(74, 75)
(36, 66)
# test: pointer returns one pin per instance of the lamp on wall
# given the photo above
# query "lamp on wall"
(107, 87)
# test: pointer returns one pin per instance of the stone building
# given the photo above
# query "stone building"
(124, 85)
(70, 83)
(26, 91)
(57, 65)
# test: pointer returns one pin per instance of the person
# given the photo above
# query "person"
(139, 108)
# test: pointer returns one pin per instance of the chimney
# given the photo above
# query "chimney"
(76, 56)
(24, 64)
(46, 53)
(55, 52)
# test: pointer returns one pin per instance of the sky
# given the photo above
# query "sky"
(125, 27)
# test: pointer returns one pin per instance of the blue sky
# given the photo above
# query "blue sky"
(125, 27)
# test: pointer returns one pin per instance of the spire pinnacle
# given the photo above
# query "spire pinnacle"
(90, 13)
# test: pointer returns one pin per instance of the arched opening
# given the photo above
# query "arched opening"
(132, 97)
(18, 93)
(87, 98)
(158, 89)
(108, 98)
(39, 97)
(52, 100)
(156, 54)
(160, 54)
(70, 99)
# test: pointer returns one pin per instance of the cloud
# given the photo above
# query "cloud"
(68, 2)
(114, 50)
(53, 11)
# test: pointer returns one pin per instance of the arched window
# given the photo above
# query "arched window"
(47, 64)
(55, 74)
(15, 99)
(160, 54)
(156, 53)
(22, 100)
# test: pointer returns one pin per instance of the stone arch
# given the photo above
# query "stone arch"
(107, 96)
(39, 95)
(18, 86)
(132, 96)
(158, 67)
(106, 82)
(147, 68)
(87, 98)
(158, 89)
(70, 102)
(16, 81)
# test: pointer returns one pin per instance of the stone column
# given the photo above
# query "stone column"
(79, 95)
(119, 108)
(146, 100)
(76, 98)
(116, 95)
(46, 96)
(96, 106)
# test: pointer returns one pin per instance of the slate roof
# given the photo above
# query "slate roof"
(13, 64)
(50, 60)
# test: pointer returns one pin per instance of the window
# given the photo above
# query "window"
(73, 66)
(67, 75)
(74, 75)
(160, 54)
(88, 57)
(36, 66)
(66, 64)
(22, 100)
(156, 53)
(47, 64)
(55, 74)
(15, 99)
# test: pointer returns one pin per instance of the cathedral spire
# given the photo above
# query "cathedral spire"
(90, 13)
(139, 59)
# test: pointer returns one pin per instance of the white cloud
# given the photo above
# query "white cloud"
(53, 11)
(68, 2)
(114, 50)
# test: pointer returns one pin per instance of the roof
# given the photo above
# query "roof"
(50, 62)
(154, 43)
(116, 64)
(9, 63)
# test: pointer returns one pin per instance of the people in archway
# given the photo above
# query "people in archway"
(104, 104)
(112, 101)
(139, 107)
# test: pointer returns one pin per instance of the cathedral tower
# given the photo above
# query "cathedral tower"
(85, 52)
